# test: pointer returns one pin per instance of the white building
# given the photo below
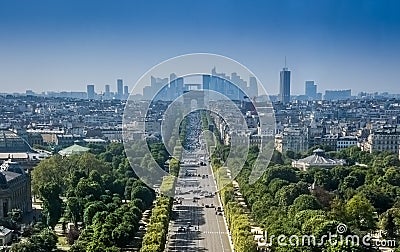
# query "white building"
(318, 159)
(345, 142)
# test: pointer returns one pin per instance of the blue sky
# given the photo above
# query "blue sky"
(66, 44)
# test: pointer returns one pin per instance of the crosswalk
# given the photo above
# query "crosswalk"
(210, 232)
(199, 231)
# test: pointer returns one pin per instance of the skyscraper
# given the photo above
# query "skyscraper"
(253, 87)
(311, 90)
(120, 89)
(284, 89)
(107, 94)
(90, 92)
(126, 92)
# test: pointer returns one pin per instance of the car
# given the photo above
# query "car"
(181, 229)
(207, 206)
(196, 198)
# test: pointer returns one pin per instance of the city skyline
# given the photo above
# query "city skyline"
(64, 45)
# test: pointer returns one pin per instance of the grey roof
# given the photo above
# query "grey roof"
(74, 149)
(10, 175)
(319, 159)
(12, 167)
(11, 142)
(4, 231)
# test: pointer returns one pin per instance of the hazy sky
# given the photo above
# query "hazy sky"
(65, 44)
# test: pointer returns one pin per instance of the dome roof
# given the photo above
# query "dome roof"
(12, 143)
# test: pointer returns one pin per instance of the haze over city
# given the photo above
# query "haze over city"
(65, 45)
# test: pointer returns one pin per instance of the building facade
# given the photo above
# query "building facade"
(90, 92)
(15, 189)
(384, 139)
(120, 89)
(311, 90)
(284, 88)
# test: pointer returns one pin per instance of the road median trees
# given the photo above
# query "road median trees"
(238, 221)
(155, 237)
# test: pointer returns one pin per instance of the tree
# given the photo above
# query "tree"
(52, 204)
(360, 212)
(75, 210)
(305, 202)
(380, 197)
(392, 176)
(91, 210)
(287, 194)
(49, 170)
(87, 187)
(323, 178)
(23, 246)
(276, 184)
(143, 193)
(123, 234)
(390, 223)
(88, 162)
(45, 241)
(282, 172)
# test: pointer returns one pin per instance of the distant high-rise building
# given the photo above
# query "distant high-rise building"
(337, 94)
(284, 89)
(238, 81)
(120, 89)
(253, 88)
(90, 92)
(311, 90)
(107, 93)
(126, 92)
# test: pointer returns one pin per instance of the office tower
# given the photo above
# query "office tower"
(107, 93)
(120, 89)
(159, 88)
(126, 92)
(311, 90)
(238, 81)
(284, 89)
(90, 92)
(253, 87)
(172, 77)
(337, 94)
(206, 82)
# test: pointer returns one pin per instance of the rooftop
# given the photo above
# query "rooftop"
(318, 159)
(74, 149)
(12, 143)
